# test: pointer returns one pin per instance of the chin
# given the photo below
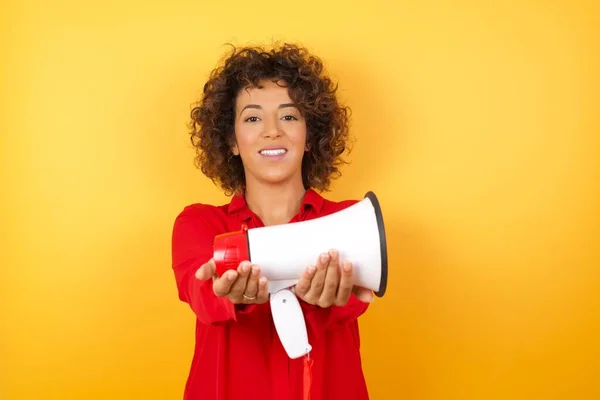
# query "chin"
(271, 180)
(277, 178)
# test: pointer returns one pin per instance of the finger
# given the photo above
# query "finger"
(206, 271)
(332, 280)
(318, 280)
(252, 283)
(222, 285)
(303, 284)
(262, 296)
(345, 288)
(364, 295)
(240, 284)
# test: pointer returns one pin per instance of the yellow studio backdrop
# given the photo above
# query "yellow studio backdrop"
(477, 125)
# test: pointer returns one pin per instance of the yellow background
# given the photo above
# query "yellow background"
(477, 125)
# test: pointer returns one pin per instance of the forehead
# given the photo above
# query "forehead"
(264, 92)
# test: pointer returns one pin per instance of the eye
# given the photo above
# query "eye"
(290, 118)
(251, 119)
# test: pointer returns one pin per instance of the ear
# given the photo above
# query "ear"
(307, 140)
(234, 146)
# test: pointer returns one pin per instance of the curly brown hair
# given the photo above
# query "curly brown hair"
(313, 92)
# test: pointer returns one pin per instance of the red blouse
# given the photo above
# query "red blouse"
(238, 354)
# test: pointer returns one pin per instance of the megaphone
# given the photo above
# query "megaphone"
(284, 251)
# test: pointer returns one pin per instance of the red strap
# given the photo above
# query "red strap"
(307, 377)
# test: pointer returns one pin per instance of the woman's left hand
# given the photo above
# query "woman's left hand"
(327, 284)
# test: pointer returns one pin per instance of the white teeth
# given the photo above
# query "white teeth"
(274, 152)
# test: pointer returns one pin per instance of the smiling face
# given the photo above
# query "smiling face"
(270, 134)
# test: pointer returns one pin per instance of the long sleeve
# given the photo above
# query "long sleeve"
(192, 246)
(330, 318)
(353, 309)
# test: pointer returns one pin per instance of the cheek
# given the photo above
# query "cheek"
(244, 140)
(246, 150)
(243, 143)
(299, 137)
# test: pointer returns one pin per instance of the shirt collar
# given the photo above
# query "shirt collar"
(312, 199)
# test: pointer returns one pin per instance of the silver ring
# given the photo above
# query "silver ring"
(248, 297)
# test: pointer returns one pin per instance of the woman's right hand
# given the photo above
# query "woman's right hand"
(244, 286)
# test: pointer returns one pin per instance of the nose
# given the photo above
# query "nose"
(272, 129)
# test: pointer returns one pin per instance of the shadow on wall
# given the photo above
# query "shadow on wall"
(378, 126)
(397, 327)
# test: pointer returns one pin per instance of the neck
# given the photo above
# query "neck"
(275, 204)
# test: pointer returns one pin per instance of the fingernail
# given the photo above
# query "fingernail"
(262, 281)
(324, 258)
(254, 270)
(231, 277)
(311, 269)
(347, 266)
(333, 253)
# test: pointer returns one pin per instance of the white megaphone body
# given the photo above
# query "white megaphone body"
(283, 252)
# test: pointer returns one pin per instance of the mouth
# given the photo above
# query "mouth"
(273, 152)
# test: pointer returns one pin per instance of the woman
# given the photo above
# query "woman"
(270, 131)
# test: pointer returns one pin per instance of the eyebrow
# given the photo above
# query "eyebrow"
(258, 107)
